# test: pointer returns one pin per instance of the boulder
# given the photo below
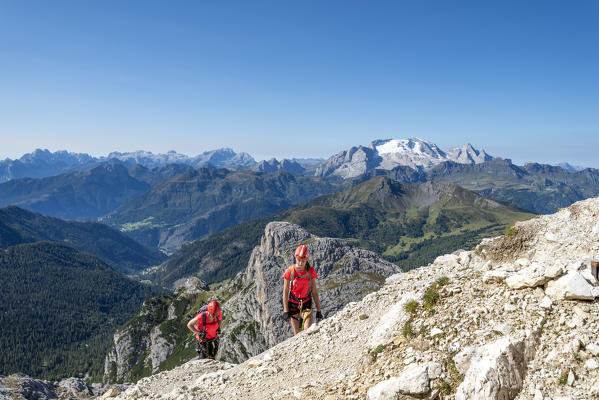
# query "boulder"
(571, 286)
(534, 275)
(385, 390)
(74, 387)
(415, 379)
(497, 369)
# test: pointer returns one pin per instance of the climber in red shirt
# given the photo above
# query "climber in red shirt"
(206, 326)
(299, 289)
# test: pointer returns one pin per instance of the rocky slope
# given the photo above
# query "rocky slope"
(515, 318)
(157, 337)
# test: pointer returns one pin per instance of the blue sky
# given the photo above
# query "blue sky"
(300, 79)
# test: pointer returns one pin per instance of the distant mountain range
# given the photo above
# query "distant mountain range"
(85, 194)
(43, 163)
(385, 154)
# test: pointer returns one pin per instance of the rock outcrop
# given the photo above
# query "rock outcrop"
(441, 331)
(345, 274)
(253, 321)
(19, 386)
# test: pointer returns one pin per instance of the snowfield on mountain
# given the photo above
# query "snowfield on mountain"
(515, 318)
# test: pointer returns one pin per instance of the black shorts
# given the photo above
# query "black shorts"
(207, 349)
(294, 307)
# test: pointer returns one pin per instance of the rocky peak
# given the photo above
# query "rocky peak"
(274, 165)
(390, 153)
(467, 155)
(345, 274)
(515, 318)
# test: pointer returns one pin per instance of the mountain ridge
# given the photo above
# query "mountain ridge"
(19, 226)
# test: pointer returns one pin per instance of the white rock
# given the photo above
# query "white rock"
(496, 276)
(112, 392)
(571, 378)
(509, 307)
(551, 237)
(546, 302)
(268, 356)
(554, 271)
(414, 380)
(571, 286)
(538, 395)
(531, 276)
(523, 262)
(393, 278)
(591, 364)
(462, 359)
(447, 259)
(385, 390)
(497, 370)
(390, 324)
(435, 331)
(593, 348)
(434, 370)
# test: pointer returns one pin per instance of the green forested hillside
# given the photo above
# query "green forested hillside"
(206, 201)
(59, 309)
(19, 226)
(409, 224)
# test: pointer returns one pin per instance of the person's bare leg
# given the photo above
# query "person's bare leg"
(295, 324)
(307, 319)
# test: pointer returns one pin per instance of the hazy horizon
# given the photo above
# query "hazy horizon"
(297, 80)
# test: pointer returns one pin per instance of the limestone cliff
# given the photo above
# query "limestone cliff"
(255, 322)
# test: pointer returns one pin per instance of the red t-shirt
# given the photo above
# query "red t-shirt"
(210, 327)
(301, 281)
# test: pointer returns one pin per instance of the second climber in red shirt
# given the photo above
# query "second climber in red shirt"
(299, 289)
(206, 326)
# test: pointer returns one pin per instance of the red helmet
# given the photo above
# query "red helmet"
(213, 307)
(301, 252)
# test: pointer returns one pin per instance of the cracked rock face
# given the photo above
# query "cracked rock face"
(345, 274)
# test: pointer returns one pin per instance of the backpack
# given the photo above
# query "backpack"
(218, 320)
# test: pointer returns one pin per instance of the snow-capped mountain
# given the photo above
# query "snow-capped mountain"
(43, 163)
(388, 154)
(570, 167)
(220, 158)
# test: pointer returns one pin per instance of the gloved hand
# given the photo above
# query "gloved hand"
(319, 316)
(286, 315)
